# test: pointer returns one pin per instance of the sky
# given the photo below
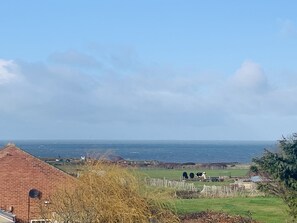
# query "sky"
(148, 70)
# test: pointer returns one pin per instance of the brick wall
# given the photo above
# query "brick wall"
(19, 173)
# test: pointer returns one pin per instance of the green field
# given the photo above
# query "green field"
(170, 174)
(70, 168)
(263, 209)
(176, 174)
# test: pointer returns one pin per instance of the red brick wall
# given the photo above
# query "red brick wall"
(21, 172)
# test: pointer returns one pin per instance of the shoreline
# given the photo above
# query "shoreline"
(151, 163)
(149, 152)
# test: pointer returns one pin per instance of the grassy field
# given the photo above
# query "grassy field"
(70, 168)
(170, 174)
(263, 209)
(176, 174)
(173, 174)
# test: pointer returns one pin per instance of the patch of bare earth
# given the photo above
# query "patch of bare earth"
(215, 217)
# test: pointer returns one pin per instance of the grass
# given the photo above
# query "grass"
(170, 174)
(199, 184)
(176, 174)
(263, 209)
(70, 168)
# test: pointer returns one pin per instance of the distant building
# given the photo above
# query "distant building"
(25, 183)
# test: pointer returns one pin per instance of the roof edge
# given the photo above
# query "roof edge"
(12, 145)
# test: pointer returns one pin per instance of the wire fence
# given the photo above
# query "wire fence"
(178, 185)
(232, 190)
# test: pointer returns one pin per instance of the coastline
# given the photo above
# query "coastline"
(162, 151)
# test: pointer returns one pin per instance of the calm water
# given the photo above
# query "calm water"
(168, 151)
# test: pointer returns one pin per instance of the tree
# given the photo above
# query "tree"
(279, 172)
(106, 193)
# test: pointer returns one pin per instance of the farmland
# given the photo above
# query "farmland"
(261, 208)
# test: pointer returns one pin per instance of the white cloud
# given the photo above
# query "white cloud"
(250, 76)
(8, 71)
(244, 92)
(147, 101)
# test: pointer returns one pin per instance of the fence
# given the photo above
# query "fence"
(178, 185)
(232, 190)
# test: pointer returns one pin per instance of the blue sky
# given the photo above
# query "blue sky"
(153, 69)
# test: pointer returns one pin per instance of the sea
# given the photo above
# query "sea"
(162, 150)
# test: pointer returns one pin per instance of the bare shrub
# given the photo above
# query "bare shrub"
(107, 193)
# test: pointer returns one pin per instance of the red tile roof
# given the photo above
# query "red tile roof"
(19, 173)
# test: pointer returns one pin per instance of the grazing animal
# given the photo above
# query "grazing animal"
(192, 175)
(199, 174)
(185, 175)
(203, 176)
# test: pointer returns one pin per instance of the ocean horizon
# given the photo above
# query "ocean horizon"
(180, 151)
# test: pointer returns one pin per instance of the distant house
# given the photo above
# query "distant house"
(25, 183)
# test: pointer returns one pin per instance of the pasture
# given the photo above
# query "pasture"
(263, 209)
(176, 174)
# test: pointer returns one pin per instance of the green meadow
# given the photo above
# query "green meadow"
(263, 209)
(176, 174)
(170, 174)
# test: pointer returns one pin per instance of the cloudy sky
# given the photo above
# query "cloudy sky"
(169, 69)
